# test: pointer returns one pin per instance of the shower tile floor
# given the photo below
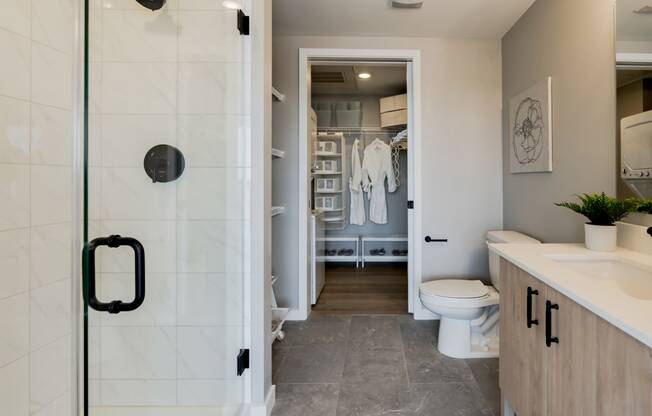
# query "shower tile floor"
(364, 365)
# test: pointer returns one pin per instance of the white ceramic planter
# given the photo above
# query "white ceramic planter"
(600, 237)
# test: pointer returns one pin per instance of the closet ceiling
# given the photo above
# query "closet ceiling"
(343, 79)
(489, 19)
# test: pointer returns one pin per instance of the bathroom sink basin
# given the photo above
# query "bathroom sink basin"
(633, 279)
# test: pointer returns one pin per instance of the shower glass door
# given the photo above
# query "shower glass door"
(166, 207)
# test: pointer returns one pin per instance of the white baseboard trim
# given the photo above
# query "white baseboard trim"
(266, 409)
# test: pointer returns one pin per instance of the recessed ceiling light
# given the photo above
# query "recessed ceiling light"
(364, 75)
(231, 4)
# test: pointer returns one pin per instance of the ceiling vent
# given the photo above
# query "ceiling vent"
(644, 10)
(407, 4)
(328, 77)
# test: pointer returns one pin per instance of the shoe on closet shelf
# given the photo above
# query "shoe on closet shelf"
(377, 252)
(345, 252)
(331, 252)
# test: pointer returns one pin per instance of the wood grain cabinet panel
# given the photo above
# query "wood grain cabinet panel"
(594, 369)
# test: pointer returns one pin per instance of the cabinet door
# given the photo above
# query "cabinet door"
(572, 359)
(522, 362)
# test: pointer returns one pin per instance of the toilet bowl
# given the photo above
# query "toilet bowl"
(468, 309)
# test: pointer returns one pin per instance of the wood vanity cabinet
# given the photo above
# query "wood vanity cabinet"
(587, 367)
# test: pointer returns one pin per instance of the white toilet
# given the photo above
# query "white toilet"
(468, 309)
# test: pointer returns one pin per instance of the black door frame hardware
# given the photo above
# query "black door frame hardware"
(429, 239)
(116, 306)
(549, 338)
(243, 23)
(410, 204)
(531, 321)
(243, 361)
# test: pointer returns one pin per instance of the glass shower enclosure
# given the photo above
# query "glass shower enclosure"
(166, 182)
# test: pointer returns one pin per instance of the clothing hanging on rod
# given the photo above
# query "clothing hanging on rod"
(357, 214)
(376, 167)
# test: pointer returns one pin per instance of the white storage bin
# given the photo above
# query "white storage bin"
(328, 165)
(328, 203)
(327, 146)
(329, 184)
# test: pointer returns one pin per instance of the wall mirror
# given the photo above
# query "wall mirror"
(634, 98)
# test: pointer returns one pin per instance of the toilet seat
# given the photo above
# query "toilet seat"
(455, 289)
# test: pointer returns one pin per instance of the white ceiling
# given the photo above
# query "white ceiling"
(488, 19)
(631, 26)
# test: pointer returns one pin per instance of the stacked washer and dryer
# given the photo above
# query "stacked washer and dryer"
(469, 309)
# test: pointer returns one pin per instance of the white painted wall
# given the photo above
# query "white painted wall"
(461, 151)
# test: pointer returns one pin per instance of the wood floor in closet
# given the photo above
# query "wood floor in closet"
(375, 289)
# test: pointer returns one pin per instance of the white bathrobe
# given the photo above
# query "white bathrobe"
(376, 167)
(355, 186)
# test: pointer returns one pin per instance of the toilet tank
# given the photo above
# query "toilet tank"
(504, 237)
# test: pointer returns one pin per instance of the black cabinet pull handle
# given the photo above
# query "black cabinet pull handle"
(531, 321)
(116, 306)
(549, 338)
(435, 240)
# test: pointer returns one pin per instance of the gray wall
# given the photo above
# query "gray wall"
(572, 41)
(461, 152)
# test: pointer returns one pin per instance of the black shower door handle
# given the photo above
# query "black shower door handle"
(116, 306)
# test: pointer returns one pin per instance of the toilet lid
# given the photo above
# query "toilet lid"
(455, 288)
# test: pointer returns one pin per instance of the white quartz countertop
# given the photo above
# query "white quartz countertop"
(632, 315)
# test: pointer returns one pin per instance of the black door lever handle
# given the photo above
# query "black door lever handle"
(428, 239)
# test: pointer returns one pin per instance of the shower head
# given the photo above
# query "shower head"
(152, 4)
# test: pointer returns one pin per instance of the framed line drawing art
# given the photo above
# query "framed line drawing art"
(530, 134)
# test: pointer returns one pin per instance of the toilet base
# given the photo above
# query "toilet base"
(463, 339)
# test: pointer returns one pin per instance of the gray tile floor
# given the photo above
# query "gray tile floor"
(363, 365)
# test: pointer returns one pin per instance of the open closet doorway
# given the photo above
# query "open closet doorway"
(359, 185)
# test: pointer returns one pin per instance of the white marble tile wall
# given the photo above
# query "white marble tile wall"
(35, 188)
(177, 76)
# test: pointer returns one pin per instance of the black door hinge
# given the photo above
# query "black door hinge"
(243, 23)
(410, 204)
(243, 361)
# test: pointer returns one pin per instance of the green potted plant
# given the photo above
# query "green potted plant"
(602, 211)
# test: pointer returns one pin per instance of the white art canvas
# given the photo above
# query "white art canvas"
(530, 134)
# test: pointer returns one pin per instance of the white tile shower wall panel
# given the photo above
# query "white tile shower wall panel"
(14, 388)
(139, 88)
(204, 355)
(210, 246)
(209, 36)
(15, 69)
(14, 194)
(223, 193)
(139, 36)
(51, 194)
(210, 299)
(138, 353)
(15, 16)
(51, 77)
(50, 373)
(50, 248)
(159, 307)
(14, 328)
(209, 88)
(140, 199)
(138, 392)
(14, 131)
(51, 142)
(49, 313)
(14, 262)
(51, 21)
(215, 140)
(126, 138)
(61, 406)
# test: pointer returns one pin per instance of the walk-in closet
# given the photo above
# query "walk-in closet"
(358, 184)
